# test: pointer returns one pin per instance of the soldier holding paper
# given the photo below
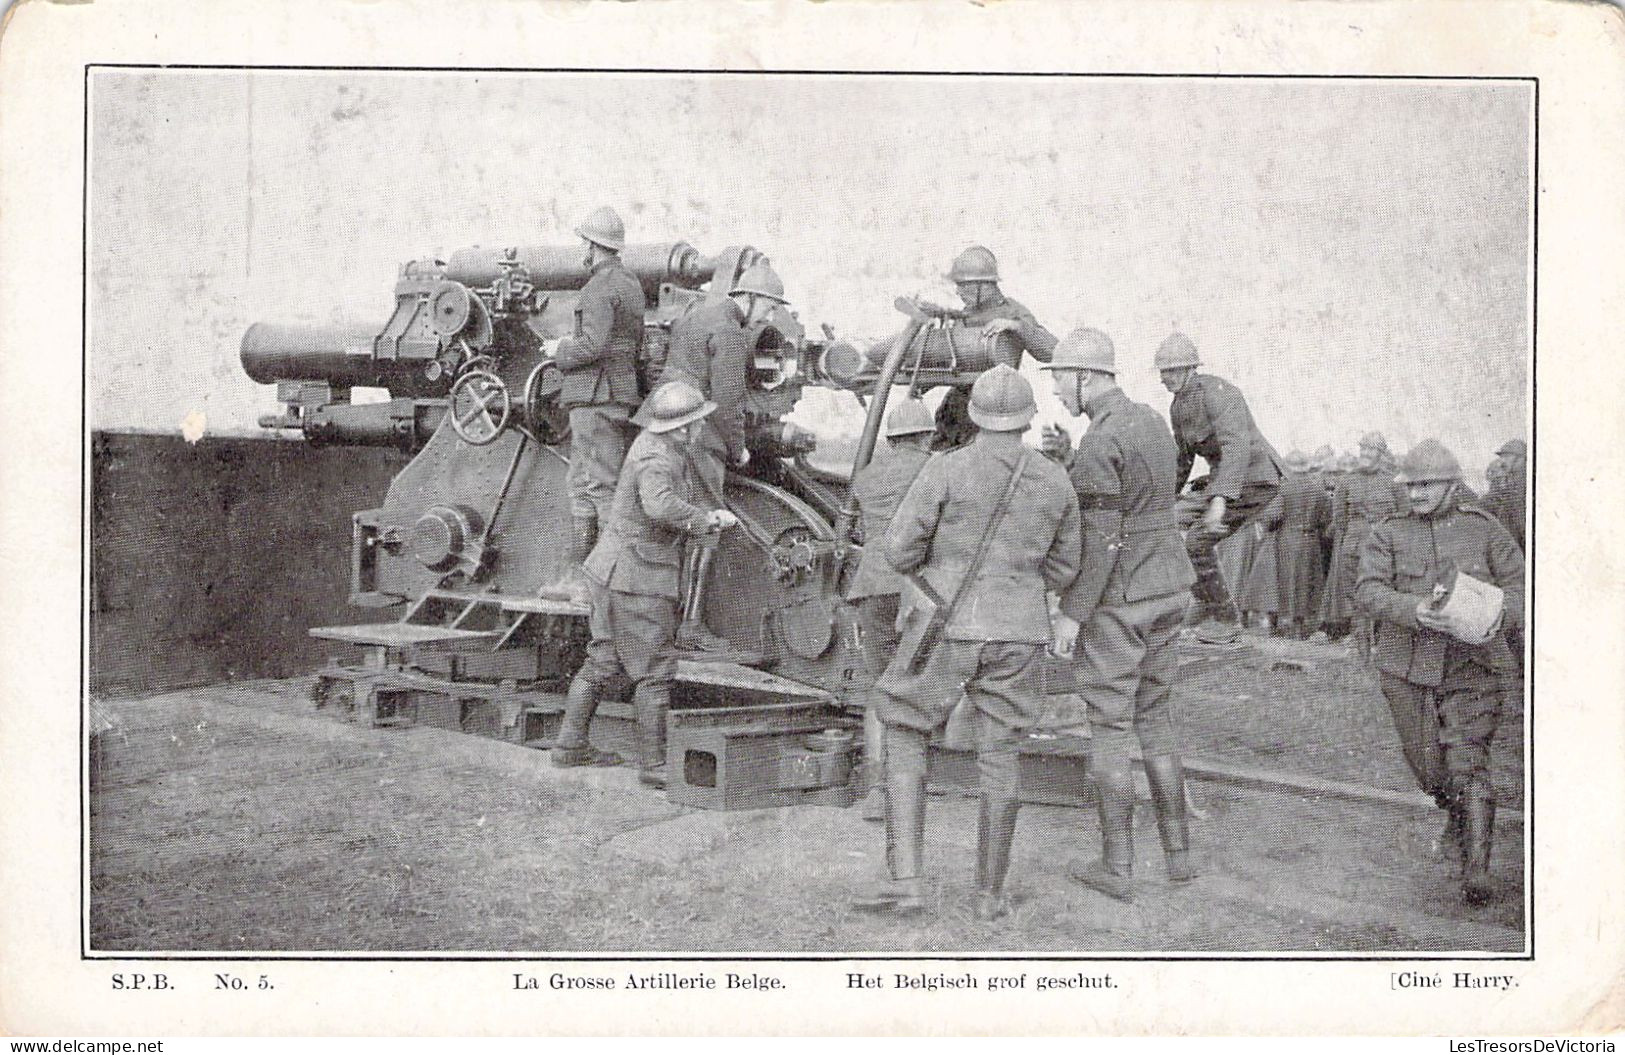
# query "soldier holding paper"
(1441, 658)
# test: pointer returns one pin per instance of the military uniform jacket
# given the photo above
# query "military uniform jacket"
(1506, 501)
(641, 549)
(1301, 514)
(600, 361)
(709, 351)
(1211, 418)
(1302, 506)
(1363, 499)
(1402, 559)
(1029, 335)
(1036, 546)
(879, 488)
(1123, 472)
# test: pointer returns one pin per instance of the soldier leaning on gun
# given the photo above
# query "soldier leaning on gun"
(975, 275)
(878, 488)
(599, 367)
(1125, 608)
(633, 570)
(1444, 694)
(1211, 419)
(991, 647)
(710, 350)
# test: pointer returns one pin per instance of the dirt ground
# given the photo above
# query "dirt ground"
(233, 819)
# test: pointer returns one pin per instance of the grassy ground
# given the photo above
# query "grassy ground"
(1327, 719)
(233, 819)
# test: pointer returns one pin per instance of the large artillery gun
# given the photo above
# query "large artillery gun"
(477, 521)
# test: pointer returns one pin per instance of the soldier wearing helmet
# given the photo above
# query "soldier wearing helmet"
(878, 488)
(1444, 692)
(987, 528)
(711, 349)
(598, 363)
(1506, 498)
(1211, 418)
(1124, 610)
(975, 275)
(633, 570)
(1362, 498)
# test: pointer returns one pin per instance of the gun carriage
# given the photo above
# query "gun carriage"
(476, 521)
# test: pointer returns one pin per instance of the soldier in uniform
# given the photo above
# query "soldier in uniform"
(1496, 474)
(878, 488)
(975, 275)
(1506, 500)
(1507, 495)
(992, 643)
(1444, 694)
(1129, 601)
(598, 363)
(710, 350)
(1364, 498)
(1211, 419)
(1301, 517)
(633, 570)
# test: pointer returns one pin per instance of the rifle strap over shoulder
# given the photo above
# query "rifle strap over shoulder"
(999, 510)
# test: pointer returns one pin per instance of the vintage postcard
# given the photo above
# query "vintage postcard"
(802, 519)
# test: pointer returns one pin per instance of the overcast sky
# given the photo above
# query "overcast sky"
(1353, 254)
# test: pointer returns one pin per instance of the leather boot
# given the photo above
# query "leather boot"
(571, 584)
(650, 708)
(995, 831)
(903, 891)
(1449, 844)
(874, 763)
(571, 748)
(1200, 608)
(1112, 875)
(1166, 775)
(1478, 816)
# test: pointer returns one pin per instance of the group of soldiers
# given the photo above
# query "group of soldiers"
(980, 554)
(973, 543)
(1295, 572)
(647, 511)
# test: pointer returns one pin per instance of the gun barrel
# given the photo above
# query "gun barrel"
(560, 267)
(952, 347)
(273, 352)
(341, 356)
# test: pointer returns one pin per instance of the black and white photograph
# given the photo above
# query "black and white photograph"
(760, 518)
(543, 512)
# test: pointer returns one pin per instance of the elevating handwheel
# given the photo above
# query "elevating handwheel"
(480, 406)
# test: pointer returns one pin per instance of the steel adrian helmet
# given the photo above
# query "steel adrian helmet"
(909, 417)
(760, 280)
(1428, 461)
(1517, 448)
(603, 227)
(1001, 400)
(1084, 349)
(671, 406)
(975, 264)
(1374, 441)
(1175, 352)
